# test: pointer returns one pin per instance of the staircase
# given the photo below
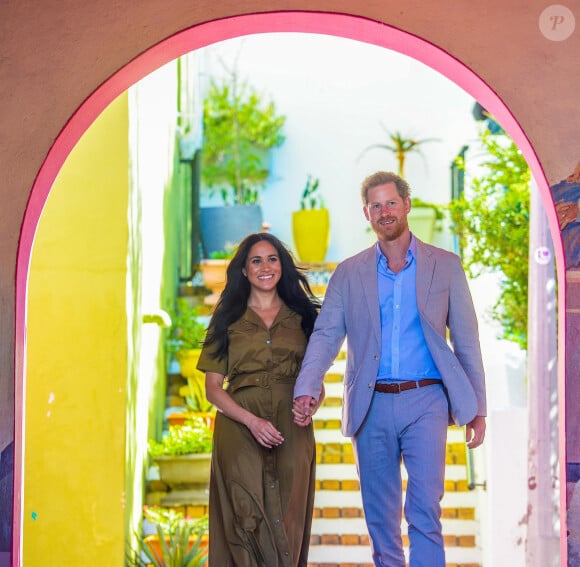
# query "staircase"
(339, 536)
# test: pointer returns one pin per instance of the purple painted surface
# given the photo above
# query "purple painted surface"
(573, 368)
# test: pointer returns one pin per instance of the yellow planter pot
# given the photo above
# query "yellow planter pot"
(311, 232)
(187, 477)
(188, 360)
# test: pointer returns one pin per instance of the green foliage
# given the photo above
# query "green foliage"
(197, 401)
(239, 129)
(179, 546)
(311, 198)
(170, 520)
(193, 437)
(226, 254)
(187, 330)
(177, 550)
(492, 223)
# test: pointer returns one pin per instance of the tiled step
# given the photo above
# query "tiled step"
(348, 504)
(360, 556)
(346, 540)
(342, 452)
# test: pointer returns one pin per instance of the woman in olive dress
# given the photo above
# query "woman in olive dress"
(262, 475)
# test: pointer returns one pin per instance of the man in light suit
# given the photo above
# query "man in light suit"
(404, 382)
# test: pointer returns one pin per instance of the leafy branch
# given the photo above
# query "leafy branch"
(492, 223)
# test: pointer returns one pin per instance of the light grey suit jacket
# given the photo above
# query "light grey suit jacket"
(351, 309)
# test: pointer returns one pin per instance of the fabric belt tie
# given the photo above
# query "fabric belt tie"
(398, 387)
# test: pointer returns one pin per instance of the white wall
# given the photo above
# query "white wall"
(335, 93)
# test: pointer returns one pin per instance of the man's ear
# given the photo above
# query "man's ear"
(366, 213)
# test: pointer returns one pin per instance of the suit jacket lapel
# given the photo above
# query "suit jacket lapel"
(367, 269)
(425, 270)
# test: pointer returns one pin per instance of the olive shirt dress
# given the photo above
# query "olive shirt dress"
(261, 500)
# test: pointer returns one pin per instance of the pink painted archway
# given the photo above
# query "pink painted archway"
(340, 25)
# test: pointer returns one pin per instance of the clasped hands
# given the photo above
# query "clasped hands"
(303, 409)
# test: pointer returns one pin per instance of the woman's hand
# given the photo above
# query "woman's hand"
(264, 432)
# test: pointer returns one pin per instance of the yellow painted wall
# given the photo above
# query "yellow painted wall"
(77, 357)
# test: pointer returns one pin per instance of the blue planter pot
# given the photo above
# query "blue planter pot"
(227, 226)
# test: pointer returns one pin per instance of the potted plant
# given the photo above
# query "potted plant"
(240, 128)
(214, 270)
(196, 402)
(183, 457)
(311, 224)
(424, 219)
(424, 216)
(186, 336)
(177, 541)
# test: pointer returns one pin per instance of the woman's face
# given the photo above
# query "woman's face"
(263, 268)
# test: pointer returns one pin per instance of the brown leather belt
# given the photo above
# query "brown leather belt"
(398, 387)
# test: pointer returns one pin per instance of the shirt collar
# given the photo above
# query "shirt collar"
(412, 250)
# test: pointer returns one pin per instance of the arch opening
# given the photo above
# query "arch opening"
(200, 36)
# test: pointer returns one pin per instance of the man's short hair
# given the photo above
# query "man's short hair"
(381, 178)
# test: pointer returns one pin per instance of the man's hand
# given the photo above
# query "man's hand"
(303, 409)
(475, 432)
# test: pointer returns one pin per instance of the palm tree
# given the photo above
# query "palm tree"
(400, 146)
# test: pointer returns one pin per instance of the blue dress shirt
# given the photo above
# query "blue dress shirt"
(404, 352)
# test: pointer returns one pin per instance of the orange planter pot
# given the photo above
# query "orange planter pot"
(183, 417)
(214, 277)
